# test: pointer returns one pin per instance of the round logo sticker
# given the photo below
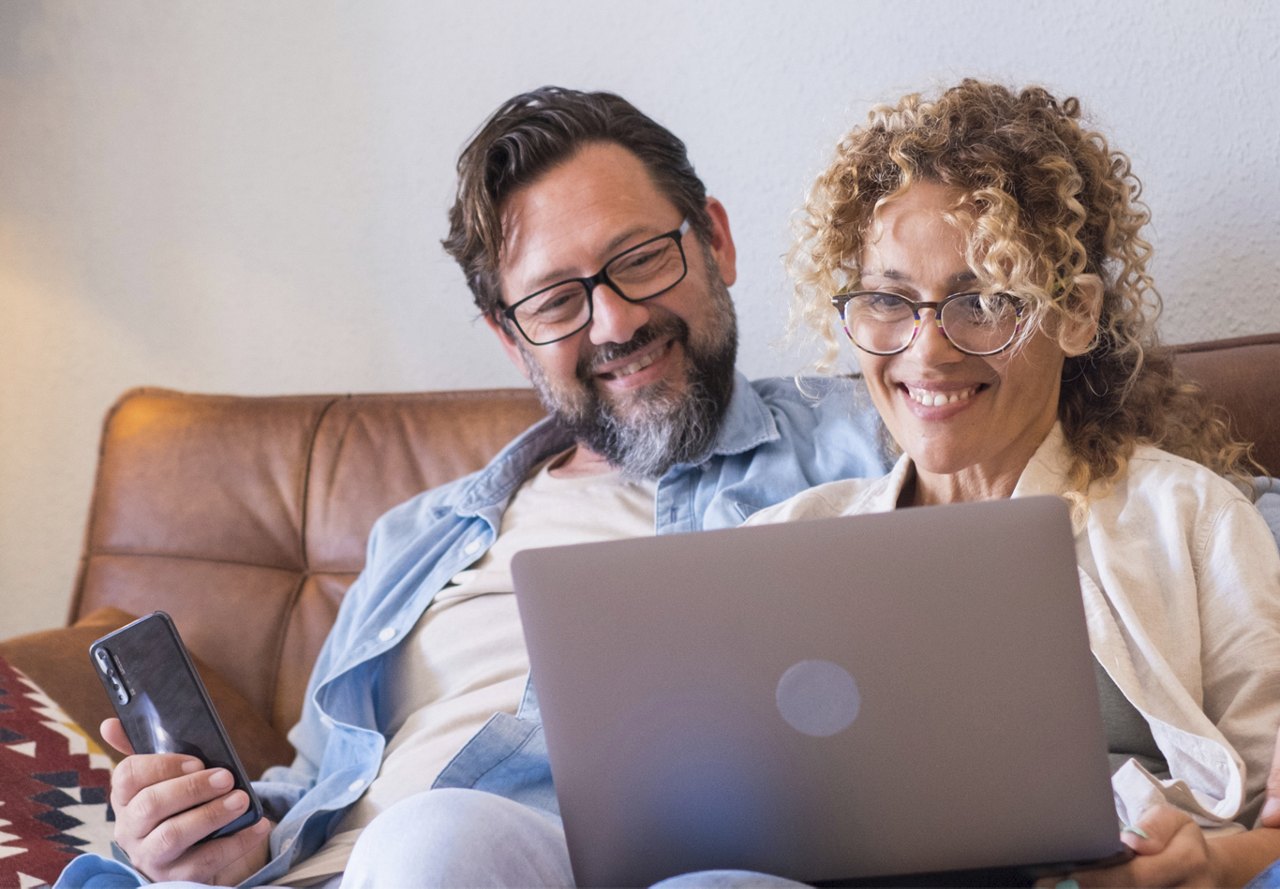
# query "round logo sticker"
(818, 698)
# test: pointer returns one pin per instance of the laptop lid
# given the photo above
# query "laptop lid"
(899, 693)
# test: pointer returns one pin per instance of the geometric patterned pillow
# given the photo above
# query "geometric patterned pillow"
(54, 784)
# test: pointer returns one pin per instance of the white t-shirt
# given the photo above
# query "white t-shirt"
(465, 659)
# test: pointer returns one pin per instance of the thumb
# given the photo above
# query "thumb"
(1154, 829)
(112, 732)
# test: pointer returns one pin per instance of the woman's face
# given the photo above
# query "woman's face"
(970, 424)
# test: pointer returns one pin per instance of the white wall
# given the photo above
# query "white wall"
(248, 196)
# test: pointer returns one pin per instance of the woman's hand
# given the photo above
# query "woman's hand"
(1169, 850)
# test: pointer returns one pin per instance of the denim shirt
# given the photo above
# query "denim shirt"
(774, 441)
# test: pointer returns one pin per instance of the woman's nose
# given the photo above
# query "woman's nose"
(931, 344)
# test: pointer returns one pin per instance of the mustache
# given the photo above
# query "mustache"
(671, 327)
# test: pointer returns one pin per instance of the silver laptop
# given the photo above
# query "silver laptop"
(863, 697)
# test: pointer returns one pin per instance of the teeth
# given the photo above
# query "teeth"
(937, 399)
(638, 365)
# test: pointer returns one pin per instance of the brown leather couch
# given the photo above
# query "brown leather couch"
(246, 519)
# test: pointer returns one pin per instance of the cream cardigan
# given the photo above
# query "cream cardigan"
(1181, 583)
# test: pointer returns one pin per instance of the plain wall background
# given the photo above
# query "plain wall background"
(248, 196)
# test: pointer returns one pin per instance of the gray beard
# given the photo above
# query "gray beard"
(667, 429)
(645, 436)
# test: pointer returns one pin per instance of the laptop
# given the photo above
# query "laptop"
(861, 698)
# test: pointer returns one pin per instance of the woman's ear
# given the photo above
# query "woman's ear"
(1080, 326)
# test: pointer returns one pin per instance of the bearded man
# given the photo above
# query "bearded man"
(595, 255)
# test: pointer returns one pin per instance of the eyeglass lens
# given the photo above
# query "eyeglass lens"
(640, 273)
(885, 322)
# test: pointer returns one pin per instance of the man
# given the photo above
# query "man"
(596, 257)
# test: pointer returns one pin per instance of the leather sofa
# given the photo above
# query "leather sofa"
(246, 518)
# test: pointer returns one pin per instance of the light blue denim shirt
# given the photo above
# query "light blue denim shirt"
(774, 442)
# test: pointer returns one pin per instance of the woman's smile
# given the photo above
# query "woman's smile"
(932, 396)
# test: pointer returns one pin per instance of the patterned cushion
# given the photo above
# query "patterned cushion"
(54, 783)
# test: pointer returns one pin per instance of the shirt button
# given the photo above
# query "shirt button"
(356, 786)
(286, 845)
(326, 720)
(472, 548)
(387, 634)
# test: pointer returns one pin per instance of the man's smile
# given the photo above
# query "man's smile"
(622, 368)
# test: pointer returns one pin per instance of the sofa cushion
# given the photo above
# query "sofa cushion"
(54, 784)
(1268, 503)
(58, 661)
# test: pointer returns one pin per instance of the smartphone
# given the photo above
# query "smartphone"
(162, 703)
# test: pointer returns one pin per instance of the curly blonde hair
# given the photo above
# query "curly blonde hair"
(1046, 201)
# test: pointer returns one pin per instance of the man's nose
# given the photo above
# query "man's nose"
(614, 319)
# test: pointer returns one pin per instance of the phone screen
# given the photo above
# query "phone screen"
(162, 703)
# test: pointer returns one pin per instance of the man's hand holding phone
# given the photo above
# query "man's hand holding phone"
(185, 809)
(166, 803)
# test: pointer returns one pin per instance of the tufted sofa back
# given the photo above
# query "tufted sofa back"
(246, 517)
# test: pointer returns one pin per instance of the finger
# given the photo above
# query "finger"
(155, 805)
(1183, 861)
(226, 860)
(137, 772)
(112, 732)
(1153, 830)
(1149, 837)
(1173, 854)
(172, 840)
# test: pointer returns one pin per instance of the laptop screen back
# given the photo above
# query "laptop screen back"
(867, 696)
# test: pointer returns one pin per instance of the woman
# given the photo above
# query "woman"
(984, 252)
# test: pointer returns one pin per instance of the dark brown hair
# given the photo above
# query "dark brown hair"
(526, 137)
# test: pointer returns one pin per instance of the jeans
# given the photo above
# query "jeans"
(468, 838)
(455, 837)
(1268, 879)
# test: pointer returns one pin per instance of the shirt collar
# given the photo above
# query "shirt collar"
(1047, 472)
(747, 423)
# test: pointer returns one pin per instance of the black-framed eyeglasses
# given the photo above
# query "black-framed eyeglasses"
(642, 272)
(887, 323)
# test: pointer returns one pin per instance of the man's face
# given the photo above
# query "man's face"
(644, 384)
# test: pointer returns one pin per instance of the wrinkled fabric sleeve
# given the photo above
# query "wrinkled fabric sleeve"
(1239, 600)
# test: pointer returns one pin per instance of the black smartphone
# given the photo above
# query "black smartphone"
(162, 703)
